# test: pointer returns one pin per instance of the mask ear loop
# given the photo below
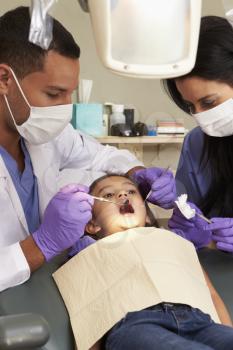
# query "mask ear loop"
(24, 97)
(19, 87)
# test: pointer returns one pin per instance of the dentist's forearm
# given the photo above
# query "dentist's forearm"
(32, 253)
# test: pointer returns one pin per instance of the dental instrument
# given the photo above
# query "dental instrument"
(101, 199)
(186, 209)
(163, 173)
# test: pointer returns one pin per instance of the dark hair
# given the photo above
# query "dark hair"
(23, 56)
(153, 221)
(214, 62)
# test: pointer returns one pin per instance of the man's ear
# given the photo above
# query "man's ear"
(92, 228)
(5, 78)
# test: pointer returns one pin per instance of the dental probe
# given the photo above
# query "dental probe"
(163, 173)
(204, 218)
(101, 199)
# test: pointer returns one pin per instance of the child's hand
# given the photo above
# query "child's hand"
(194, 230)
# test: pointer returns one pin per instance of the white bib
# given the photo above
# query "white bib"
(130, 271)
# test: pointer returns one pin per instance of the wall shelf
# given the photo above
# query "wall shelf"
(142, 139)
(135, 144)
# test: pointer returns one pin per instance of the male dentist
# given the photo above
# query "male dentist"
(37, 220)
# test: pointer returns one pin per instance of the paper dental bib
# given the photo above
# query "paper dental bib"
(129, 271)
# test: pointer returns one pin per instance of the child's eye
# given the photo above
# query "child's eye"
(108, 195)
(131, 191)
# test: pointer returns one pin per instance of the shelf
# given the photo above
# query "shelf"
(161, 139)
(136, 144)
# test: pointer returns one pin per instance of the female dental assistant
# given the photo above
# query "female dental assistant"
(37, 220)
(206, 163)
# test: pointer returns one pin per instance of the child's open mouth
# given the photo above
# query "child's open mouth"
(126, 208)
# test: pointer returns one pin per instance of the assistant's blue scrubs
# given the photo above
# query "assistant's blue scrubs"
(26, 186)
(191, 177)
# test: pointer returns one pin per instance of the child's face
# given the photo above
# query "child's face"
(129, 211)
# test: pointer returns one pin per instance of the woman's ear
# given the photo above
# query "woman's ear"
(92, 228)
(5, 79)
(148, 220)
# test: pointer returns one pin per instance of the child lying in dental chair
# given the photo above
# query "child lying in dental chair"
(138, 287)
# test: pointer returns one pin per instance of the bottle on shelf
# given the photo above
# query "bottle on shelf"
(117, 119)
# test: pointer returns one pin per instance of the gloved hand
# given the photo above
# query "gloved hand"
(222, 229)
(81, 244)
(194, 229)
(162, 184)
(64, 220)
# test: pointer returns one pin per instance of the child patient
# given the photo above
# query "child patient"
(164, 325)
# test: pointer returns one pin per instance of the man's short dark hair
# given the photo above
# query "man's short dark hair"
(21, 55)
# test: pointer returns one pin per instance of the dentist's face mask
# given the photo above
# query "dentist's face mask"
(217, 121)
(43, 123)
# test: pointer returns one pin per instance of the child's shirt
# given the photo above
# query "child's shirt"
(130, 271)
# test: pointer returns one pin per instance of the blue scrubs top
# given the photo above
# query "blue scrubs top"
(26, 186)
(191, 178)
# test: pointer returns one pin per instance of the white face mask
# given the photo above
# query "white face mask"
(43, 123)
(217, 121)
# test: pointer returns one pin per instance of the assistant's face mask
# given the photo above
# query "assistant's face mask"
(43, 123)
(217, 121)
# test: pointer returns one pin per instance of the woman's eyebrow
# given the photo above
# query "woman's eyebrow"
(201, 98)
(207, 96)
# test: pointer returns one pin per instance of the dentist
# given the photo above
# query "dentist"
(37, 220)
(206, 163)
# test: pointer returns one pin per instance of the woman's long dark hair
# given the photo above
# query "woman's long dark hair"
(214, 62)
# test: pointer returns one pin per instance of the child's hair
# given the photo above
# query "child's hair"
(152, 220)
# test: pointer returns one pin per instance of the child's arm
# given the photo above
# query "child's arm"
(218, 303)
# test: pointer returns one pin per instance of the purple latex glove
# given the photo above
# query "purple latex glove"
(193, 229)
(222, 229)
(81, 244)
(160, 182)
(64, 220)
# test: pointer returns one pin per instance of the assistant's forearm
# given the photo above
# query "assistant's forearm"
(32, 253)
(220, 307)
(222, 310)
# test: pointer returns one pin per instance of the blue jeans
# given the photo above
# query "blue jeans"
(169, 326)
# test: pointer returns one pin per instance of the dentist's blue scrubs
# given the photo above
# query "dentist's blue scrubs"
(26, 186)
(192, 177)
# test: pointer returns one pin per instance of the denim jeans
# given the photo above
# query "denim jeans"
(169, 326)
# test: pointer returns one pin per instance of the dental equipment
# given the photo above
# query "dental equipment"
(101, 199)
(186, 209)
(145, 39)
(163, 173)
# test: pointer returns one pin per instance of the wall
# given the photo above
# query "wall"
(147, 96)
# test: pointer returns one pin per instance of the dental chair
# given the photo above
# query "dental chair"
(33, 315)
(37, 310)
(219, 266)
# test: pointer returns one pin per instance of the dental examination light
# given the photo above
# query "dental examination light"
(145, 38)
